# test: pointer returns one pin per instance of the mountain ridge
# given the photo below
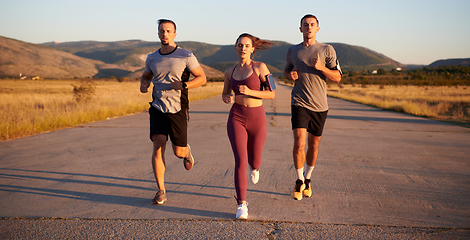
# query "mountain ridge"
(218, 56)
(451, 61)
(94, 59)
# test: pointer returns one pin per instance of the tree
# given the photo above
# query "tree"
(381, 71)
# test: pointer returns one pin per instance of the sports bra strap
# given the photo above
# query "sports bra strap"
(252, 67)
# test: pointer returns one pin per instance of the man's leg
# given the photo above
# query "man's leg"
(312, 154)
(158, 159)
(300, 135)
(312, 151)
(181, 152)
(185, 154)
(179, 137)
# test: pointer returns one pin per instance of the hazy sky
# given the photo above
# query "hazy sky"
(411, 32)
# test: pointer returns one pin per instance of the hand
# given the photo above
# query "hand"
(177, 85)
(144, 86)
(243, 89)
(227, 98)
(294, 74)
(316, 63)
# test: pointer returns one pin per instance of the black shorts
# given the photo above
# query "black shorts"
(174, 125)
(305, 118)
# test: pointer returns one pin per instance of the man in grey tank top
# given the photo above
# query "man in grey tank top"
(309, 64)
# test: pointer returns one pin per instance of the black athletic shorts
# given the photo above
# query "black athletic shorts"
(305, 118)
(174, 125)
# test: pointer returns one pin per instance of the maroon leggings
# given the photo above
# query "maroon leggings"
(246, 129)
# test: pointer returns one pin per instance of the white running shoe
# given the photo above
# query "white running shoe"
(242, 212)
(254, 176)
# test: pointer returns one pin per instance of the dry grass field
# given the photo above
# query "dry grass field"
(30, 107)
(436, 102)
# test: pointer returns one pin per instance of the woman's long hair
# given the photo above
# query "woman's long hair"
(258, 44)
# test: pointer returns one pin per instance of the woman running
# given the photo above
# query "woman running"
(246, 125)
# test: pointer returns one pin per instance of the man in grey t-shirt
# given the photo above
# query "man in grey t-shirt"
(169, 69)
(309, 64)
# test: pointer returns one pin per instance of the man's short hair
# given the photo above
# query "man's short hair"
(161, 21)
(309, 16)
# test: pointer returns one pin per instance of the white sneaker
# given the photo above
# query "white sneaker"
(254, 176)
(242, 212)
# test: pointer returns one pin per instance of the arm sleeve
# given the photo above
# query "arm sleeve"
(289, 65)
(192, 62)
(330, 57)
(147, 62)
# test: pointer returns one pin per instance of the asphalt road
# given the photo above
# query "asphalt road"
(379, 174)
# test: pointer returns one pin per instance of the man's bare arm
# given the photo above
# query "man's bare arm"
(145, 81)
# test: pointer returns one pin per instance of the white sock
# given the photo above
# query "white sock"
(308, 172)
(300, 174)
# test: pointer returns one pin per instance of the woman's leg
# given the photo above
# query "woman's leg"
(256, 127)
(238, 139)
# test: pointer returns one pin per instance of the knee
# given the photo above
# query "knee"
(314, 147)
(158, 146)
(241, 165)
(159, 140)
(299, 146)
(314, 143)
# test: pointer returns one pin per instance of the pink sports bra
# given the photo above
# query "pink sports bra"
(253, 82)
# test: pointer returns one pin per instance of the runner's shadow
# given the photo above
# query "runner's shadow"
(112, 199)
(70, 180)
(227, 188)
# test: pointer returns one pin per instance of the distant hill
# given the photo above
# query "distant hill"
(129, 53)
(133, 53)
(77, 59)
(127, 58)
(361, 58)
(26, 59)
(454, 62)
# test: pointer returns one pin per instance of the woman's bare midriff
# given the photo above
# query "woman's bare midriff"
(248, 101)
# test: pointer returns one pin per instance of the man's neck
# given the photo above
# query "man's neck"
(309, 42)
(165, 49)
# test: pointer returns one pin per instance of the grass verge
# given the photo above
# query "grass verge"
(450, 104)
(31, 107)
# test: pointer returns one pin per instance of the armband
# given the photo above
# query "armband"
(338, 67)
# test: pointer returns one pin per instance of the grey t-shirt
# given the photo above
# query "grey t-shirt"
(167, 68)
(310, 89)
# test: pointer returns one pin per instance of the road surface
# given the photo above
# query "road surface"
(379, 174)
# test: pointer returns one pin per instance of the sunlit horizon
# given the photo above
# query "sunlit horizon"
(410, 32)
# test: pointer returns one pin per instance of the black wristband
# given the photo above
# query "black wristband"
(185, 85)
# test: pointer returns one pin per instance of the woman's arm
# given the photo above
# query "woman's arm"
(261, 70)
(227, 96)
